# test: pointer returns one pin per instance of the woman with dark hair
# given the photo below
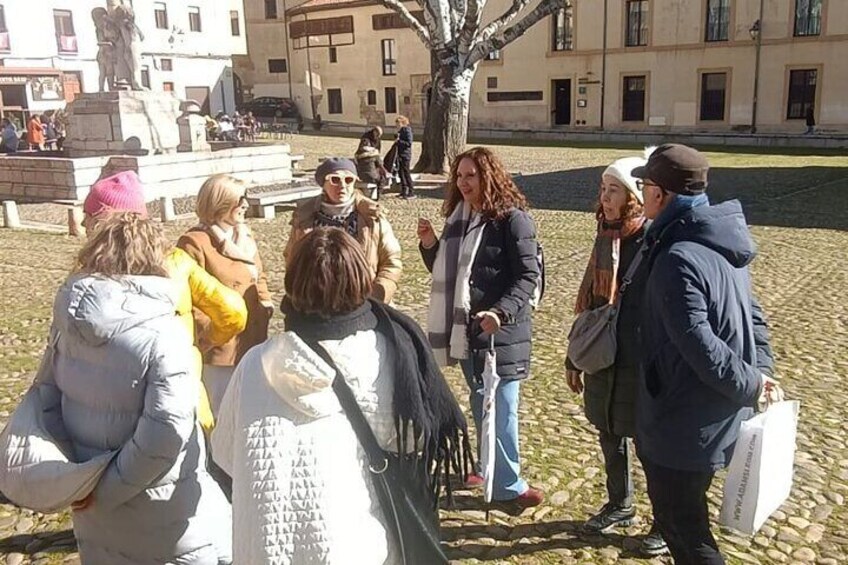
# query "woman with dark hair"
(610, 395)
(281, 413)
(369, 164)
(122, 386)
(484, 266)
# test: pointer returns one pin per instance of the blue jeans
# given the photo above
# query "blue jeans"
(508, 483)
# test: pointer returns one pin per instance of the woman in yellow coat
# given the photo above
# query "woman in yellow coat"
(224, 307)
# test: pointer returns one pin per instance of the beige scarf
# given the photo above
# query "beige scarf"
(239, 245)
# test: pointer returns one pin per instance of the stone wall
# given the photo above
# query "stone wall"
(39, 179)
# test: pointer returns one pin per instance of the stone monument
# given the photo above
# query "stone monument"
(192, 128)
(123, 121)
(127, 118)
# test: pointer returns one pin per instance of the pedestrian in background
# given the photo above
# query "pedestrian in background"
(404, 157)
(35, 133)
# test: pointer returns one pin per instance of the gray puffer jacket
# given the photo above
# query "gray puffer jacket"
(122, 380)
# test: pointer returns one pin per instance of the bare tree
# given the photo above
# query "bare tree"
(454, 33)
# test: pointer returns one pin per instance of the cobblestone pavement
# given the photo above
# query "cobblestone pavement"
(796, 205)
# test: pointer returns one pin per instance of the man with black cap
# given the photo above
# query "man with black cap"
(707, 360)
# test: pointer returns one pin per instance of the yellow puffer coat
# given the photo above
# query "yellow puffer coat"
(223, 306)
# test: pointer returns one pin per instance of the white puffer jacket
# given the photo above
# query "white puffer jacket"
(301, 488)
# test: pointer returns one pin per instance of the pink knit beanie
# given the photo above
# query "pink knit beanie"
(121, 192)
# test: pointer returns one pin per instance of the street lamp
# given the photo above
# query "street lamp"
(755, 30)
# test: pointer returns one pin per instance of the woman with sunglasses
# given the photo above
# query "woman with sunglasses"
(342, 206)
(223, 245)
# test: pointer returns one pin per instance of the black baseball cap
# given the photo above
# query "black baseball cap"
(676, 168)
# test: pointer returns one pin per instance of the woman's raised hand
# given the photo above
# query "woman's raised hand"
(426, 233)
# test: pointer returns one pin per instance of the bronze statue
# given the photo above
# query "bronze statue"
(119, 39)
(107, 35)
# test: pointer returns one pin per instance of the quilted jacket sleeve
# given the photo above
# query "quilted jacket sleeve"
(223, 306)
(167, 421)
(521, 247)
(685, 318)
(223, 436)
(389, 265)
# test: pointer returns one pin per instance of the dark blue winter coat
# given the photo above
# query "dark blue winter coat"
(704, 339)
(404, 143)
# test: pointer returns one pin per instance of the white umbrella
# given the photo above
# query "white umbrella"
(488, 437)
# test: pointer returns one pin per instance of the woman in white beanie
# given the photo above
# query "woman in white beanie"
(610, 394)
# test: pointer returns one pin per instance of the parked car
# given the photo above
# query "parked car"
(272, 107)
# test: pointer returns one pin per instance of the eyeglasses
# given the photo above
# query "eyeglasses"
(243, 201)
(641, 184)
(338, 180)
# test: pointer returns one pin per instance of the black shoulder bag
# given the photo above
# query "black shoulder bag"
(400, 481)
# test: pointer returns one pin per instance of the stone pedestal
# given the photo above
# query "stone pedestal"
(121, 122)
(192, 129)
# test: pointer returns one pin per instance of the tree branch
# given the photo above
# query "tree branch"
(503, 37)
(473, 15)
(409, 19)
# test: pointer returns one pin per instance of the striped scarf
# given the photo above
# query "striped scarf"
(600, 281)
(450, 294)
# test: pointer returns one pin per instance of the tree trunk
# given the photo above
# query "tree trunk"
(446, 128)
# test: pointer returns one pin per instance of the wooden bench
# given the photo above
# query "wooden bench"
(262, 205)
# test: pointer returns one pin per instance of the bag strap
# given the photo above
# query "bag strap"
(377, 460)
(631, 270)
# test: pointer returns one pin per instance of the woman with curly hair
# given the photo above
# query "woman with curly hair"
(609, 395)
(484, 276)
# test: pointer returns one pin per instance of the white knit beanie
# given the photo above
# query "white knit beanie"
(620, 170)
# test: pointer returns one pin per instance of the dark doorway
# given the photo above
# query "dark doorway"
(562, 102)
(238, 91)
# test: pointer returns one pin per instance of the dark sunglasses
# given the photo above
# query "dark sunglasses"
(338, 180)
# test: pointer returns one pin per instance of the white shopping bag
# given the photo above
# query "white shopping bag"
(760, 474)
(488, 436)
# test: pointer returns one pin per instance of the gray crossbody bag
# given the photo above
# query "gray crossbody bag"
(592, 340)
